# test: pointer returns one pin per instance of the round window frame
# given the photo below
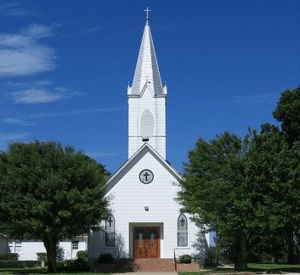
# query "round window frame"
(148, 170)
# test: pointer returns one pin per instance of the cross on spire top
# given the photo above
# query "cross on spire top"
(147, 10)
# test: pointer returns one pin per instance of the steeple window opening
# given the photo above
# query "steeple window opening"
(147, 124)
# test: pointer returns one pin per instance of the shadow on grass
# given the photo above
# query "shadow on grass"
(23, 270)
(27, 271)
(258, 268)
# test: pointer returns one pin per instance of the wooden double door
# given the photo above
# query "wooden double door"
(146, 242)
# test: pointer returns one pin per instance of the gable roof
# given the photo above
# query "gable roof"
(137, 153)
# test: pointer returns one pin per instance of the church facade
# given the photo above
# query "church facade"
(145, 219)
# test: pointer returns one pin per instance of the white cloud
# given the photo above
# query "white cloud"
(11, 137)
(41, 91)
(94, 29)
(5, 138)
(43, 83)
(21, 54)
(2, 7)
(35, 96)
(101, 154)
(61, 89)
(75, 112)
(255, 98)
(15, 9)
(17, 121)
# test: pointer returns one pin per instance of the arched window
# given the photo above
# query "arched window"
(110, 231)
(147, 124)
(182, 231)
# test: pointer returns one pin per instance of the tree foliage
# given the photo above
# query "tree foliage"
(49, 193)
(214, 191)
(244, 190)
(288, 113)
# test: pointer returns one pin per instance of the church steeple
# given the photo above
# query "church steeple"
(147, 100)
(146, 72)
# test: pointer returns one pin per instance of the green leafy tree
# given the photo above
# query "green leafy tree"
(247, 191)
(288, 113)
(215, 192)
(49, 193)
(273, 171)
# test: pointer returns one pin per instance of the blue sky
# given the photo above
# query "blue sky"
(65, 65)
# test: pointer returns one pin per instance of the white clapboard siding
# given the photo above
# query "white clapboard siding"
(27, 249)
(157, 107)
(129, 197)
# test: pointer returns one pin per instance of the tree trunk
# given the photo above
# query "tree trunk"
(242, 254)
(272, 254)
(297, 260)
(50, 245)
(290, 241)
(259, 253)
(298, 253)
(285, 249)
(217, 258)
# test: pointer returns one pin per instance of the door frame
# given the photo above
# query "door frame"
(147, 227)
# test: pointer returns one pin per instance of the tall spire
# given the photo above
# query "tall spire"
(146, 71)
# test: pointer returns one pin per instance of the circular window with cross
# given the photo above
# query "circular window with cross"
(146, 176)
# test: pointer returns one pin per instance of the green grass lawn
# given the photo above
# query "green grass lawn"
(260, 268)
(42, 271)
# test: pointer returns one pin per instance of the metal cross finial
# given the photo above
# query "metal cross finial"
(147, 10)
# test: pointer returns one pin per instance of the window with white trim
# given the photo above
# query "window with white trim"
(182, 231)
(14, 247)
(110, 231)
(75, 245)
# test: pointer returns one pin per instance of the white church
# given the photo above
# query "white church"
(146, 221)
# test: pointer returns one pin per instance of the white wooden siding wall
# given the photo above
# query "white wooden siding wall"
(30, 248)
(157, 107)
(130, 196)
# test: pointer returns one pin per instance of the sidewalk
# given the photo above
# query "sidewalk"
(143, 273)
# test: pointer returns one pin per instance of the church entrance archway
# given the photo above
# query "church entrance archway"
(146, 242)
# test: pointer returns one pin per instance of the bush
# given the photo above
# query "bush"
(9, 256)
(42, 256)
(80, 262)
(185, 259)
(73, 265)
(106, 258)
(82, 255)
(60, 264)
(59, 253)
(18, 264)
(266, 258)
(73, 269)
(69, 263)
